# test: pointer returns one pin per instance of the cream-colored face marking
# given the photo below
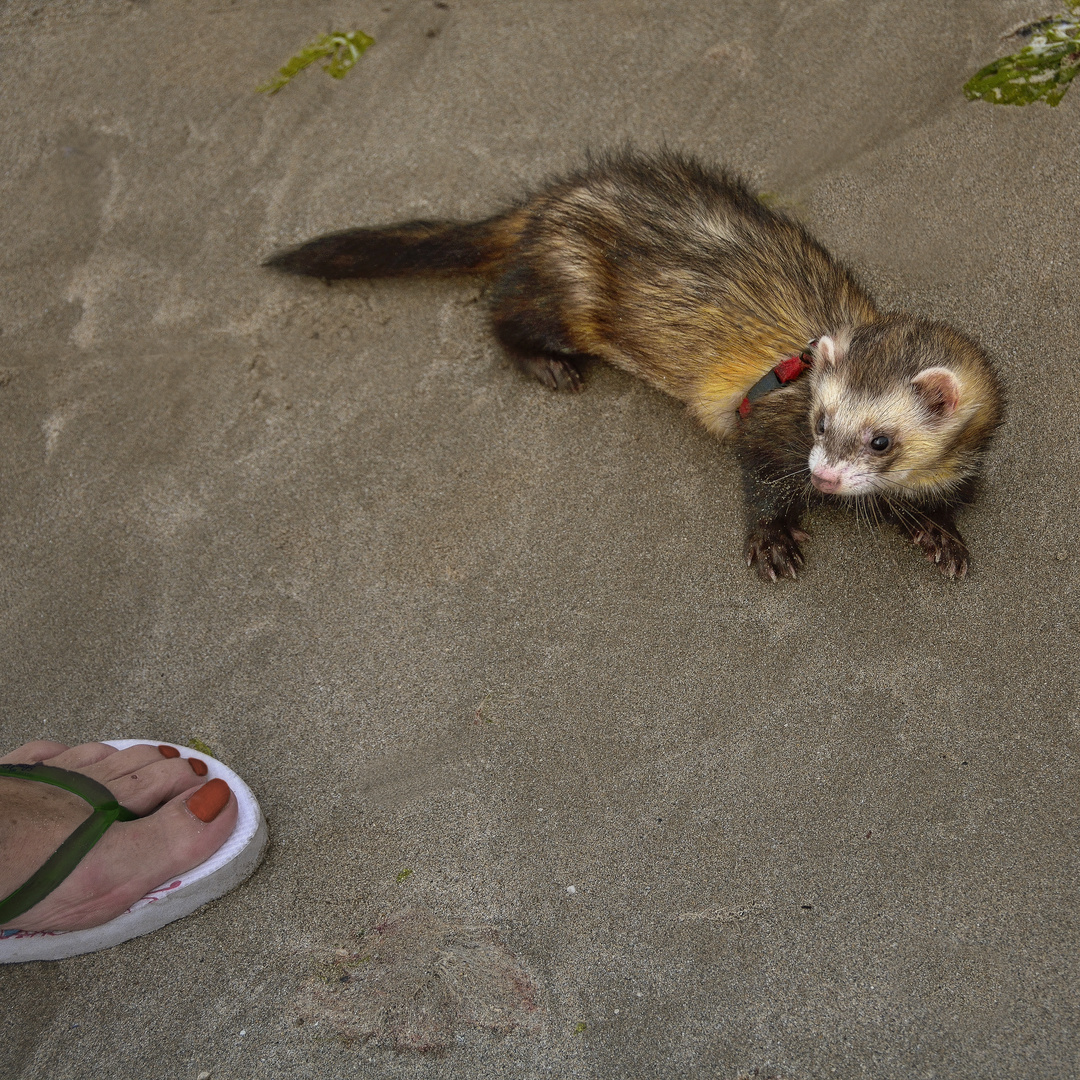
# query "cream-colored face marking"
(836, 476)
(829, 393)
(843, 462)
(830, 472)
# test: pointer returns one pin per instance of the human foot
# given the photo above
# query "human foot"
(185, 822)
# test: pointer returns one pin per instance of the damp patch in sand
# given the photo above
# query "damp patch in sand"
(414, 982)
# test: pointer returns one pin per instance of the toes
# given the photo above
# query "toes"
(122, 762)
(949, 555)
(154, 784)
(554, 373)
(564, 376)
(32, 752)
(775, 554)
(772, 563)
(142, 778)
(79, 757)
(955, 565)
(545, 376)
(569, 379)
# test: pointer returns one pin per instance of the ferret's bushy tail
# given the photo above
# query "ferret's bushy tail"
(415, 247)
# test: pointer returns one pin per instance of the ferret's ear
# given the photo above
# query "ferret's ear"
(829, 350)
(939, 389)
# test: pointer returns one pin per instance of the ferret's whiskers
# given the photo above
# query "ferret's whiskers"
(788, 476)
(915, 519)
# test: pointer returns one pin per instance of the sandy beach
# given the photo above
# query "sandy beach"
(556, 787)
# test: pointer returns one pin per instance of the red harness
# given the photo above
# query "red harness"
(785, 372)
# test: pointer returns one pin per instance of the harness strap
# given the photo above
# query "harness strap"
(786, 371)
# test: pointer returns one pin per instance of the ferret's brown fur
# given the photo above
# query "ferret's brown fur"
(677, 274)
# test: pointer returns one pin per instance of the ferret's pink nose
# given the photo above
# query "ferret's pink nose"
(826, 479)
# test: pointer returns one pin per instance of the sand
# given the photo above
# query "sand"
(473, 643)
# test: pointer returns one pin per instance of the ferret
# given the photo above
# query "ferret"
(675, 272)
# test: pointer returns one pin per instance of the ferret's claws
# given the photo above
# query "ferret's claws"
(773, 551)
(554, 372)
(944, 549)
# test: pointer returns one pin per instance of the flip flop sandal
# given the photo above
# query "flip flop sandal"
(234, 862)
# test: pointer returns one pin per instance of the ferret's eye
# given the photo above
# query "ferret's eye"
(819, 427)
(880, 443)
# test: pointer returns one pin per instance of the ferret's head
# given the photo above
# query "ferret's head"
(900, 406)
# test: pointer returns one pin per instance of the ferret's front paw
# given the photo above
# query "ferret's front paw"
(946, 549)
(774, 552)
(554, 372)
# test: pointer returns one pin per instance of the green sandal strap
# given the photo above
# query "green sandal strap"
(72, 851)
(86, 787)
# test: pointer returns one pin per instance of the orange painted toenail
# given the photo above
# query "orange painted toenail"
(168, 751)
(209, 800)
(197, 767)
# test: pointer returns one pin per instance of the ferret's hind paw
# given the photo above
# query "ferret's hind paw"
(946, 550)
(773, 552)
(554, 372)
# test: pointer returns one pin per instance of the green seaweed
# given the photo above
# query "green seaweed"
(343, 50)
(198, 744)
(403, 875)
(1042, 70)
(580, 1028)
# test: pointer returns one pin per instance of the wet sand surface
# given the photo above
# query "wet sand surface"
(473, 643)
